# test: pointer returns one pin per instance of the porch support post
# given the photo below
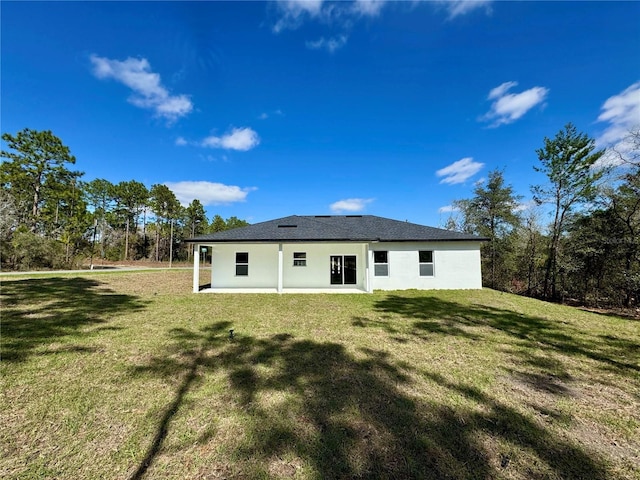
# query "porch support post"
(210, 265)
(280, 268)
(369, 257)
(196, 268)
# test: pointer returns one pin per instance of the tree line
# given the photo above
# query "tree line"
(590, 251)
(50, 218)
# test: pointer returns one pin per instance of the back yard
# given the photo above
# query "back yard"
(130, 376)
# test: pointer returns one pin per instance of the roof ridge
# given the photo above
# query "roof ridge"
(348, 231)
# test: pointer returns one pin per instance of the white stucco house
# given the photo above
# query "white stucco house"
(337, 253)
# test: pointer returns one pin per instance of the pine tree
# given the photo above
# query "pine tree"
(37, 173)
(165, 207)
(491, 213)
(567, 160)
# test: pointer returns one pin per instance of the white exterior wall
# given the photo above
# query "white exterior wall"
(263, 265)
(456, 266)
(317, 273)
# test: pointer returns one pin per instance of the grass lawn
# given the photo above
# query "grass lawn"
(130, 376)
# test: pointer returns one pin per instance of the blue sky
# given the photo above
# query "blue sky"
(267, 109)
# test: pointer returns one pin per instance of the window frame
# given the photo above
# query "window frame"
(242, 266)
(299, 259)
(425, 264)
(377, 264)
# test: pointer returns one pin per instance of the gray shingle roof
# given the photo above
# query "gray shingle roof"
(364, 228)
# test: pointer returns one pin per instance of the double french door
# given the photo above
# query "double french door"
(343, 270)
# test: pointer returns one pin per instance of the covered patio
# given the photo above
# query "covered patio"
(209, 259)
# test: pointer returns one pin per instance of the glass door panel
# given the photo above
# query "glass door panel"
(336, 270)
(349, 270)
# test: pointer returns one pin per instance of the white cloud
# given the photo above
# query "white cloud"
(293, 13)
(500, 90)
(350, 205)
(181, 142)
(242, 139)
(525, 206)
(448, 209)
(209, 193)
(266, 115)
(211, 158)
(329, 44)
(172, 107)
(509, 107)
(368, 8)
(622, 112)
(462, 7)
(343, 14)
(460, 171)
(148, 91)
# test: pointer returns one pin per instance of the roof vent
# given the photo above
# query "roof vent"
(287, 226)
(322, 216)
(354, 216)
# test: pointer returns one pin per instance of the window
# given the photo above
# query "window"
(299, 259)
(242, 264)
(380, 264)
(426, 263)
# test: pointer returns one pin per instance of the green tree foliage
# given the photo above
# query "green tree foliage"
(48, 197)
(530, 255)
(37, 173)
(589, 262)
(8, 214)
(567, 161)
(166, 209)
(625, 206)
(131, 197)
(235, 222)
(491, 213)
(217, 224)
(196, 218)
(31, 251)
(66, 218)
(99, 197)
(603, 254)
(451, 224)
(49, 218)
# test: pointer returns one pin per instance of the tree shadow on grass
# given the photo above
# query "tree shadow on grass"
(347, 416)
(432, 315)
(500, 421)
(193, 348)
(44, 311)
